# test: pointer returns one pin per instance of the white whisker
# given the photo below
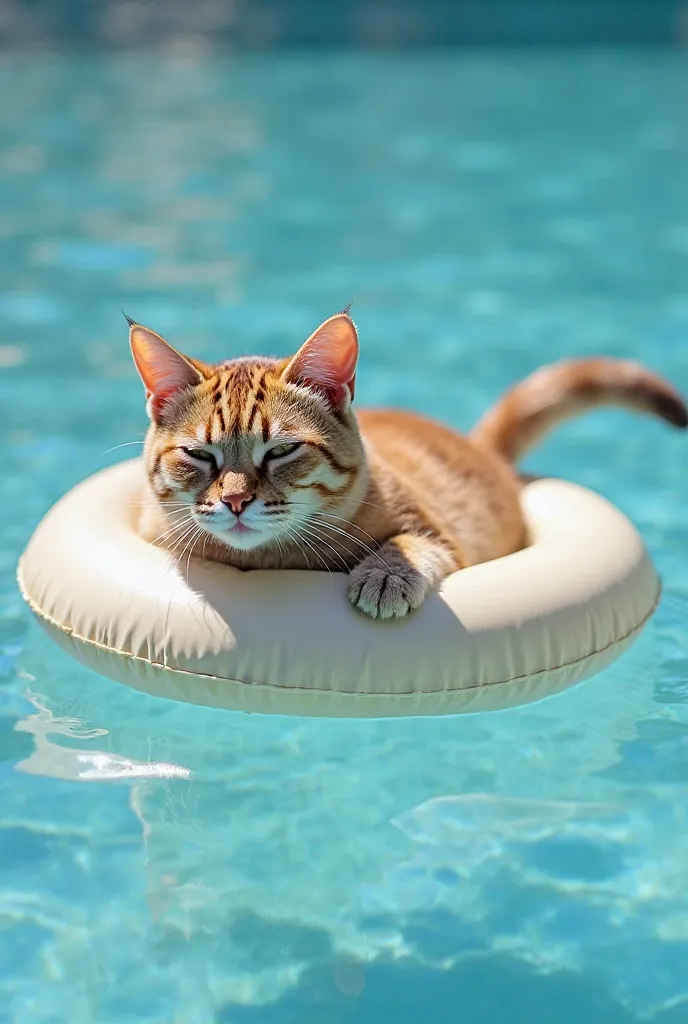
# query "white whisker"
(171, 530)
(316, 536)
(356, 540)
(294, 539)
(279, 548)
(318, 554)
(189, 547)
(341, 519)
(126, 444)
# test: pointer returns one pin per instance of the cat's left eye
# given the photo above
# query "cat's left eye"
(200, 455)
(282, 449)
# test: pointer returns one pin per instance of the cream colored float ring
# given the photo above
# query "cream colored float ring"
(507, 632)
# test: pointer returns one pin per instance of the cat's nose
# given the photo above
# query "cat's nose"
(238, 502)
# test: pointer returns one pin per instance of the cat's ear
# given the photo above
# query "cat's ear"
(164, 371)
(327, 361)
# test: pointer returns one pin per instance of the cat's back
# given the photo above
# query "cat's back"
(402, 436)
(424, 449)
(473, 492)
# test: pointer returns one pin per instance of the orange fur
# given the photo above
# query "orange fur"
(262, 463)
(556, 393)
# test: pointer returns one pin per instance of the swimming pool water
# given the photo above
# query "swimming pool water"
(485, 213)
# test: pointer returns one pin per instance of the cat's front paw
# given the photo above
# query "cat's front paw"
(386, 592)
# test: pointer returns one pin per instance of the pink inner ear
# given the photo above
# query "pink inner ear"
(327, 361)
(163, 370)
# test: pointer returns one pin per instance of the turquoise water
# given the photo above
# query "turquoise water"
(168, 864)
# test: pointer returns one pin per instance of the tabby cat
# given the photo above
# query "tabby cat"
(262, 463)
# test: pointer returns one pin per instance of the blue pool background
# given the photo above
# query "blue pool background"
(485, 212)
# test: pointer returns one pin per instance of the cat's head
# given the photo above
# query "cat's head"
(253, 449)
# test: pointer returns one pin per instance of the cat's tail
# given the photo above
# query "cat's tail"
(556, 393)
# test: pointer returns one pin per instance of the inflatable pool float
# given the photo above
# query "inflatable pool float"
(496, 635)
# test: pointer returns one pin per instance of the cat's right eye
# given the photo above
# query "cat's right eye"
(200, 455)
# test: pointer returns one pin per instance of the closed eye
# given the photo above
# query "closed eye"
(280, 450)
(201, 455)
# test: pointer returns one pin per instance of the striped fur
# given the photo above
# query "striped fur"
(395, 500)
(556, 393)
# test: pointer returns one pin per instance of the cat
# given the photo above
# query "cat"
(262, 463)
